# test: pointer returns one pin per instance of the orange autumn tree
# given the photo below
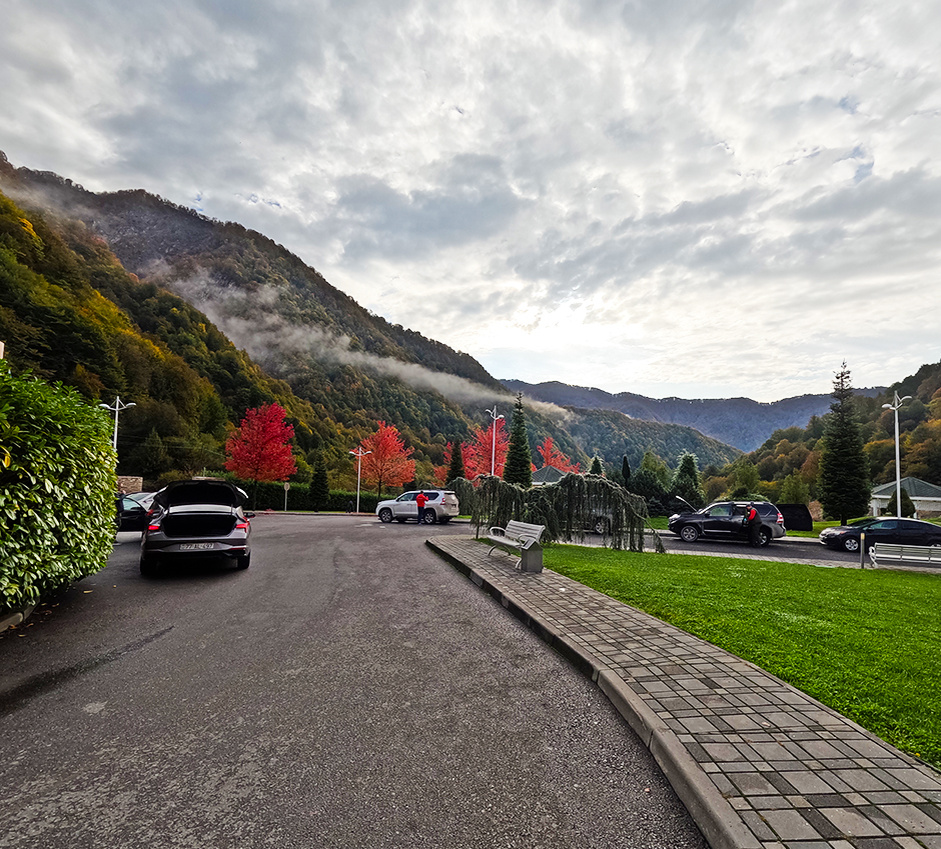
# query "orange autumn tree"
(477, 455)
(388, 462)
(552, 456)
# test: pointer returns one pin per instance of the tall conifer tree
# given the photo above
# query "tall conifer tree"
(844, 487)
(519, 462)
(456, 466)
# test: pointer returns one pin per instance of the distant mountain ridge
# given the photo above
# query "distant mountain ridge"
(740, 422)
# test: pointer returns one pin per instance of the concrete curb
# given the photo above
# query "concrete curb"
(16, 617)
(720, 824)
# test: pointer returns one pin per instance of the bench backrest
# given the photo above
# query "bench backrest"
(524, 530)
(930, 554)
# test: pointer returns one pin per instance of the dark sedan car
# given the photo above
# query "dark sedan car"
(895, 531)
(199, 518)
(726, 520)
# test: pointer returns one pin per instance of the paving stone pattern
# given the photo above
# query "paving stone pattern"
(758, 763)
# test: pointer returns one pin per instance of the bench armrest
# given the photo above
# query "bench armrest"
(498, 532)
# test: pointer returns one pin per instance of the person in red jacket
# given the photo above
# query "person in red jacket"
(421, 500)
(754, 526)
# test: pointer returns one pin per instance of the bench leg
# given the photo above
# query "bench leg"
(531, 560)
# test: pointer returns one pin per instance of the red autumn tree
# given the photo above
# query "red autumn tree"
(477, 455)
(260, 449)
(388, 464)
(552, 456)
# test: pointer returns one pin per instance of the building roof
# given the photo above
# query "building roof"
(913, 486)
(547, 474)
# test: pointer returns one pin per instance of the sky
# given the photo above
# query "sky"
(665, 197)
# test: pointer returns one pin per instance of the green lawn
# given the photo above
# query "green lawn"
(865, 642)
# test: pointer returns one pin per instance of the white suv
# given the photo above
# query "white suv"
(441, 506)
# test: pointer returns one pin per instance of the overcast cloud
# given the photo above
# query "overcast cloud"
(670, 197)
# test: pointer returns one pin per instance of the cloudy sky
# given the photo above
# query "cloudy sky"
(668, 197)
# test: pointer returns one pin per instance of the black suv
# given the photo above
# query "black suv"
(726, 520)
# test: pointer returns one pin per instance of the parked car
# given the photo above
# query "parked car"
(726, 520)
(145, 499)
(896, 531)
(131, 515)
(441, 506)
(198, 518)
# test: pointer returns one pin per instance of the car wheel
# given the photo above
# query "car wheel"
(149, 567)
(385, 515)
(764, 537)
(601, 525)
(851, 544)
(243, 561)
(429, 518)
(689, 533)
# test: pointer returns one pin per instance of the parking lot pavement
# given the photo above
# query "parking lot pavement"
(758, 763)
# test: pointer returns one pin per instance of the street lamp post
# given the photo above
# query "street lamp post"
(493, 446)
(359, 454)
(116, 408)
(898, 468)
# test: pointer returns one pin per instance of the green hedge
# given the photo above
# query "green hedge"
(270, 496)
(57, 488)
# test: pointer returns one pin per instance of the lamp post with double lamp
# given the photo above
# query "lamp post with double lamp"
(116, 408)
(359, 454)
(898, 470)
(493, 446)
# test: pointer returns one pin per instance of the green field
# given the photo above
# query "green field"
(865, 642)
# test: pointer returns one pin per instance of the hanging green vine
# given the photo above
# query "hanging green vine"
(568, 509)
(497, 502)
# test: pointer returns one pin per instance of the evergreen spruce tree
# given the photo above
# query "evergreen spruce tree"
(625, 469)
(908, 506)
(844, 487)
(596, 466)
(320, 486)
(687, 482)
(519, 464)
(456, 467)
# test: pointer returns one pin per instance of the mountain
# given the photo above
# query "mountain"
(611, 435)
(740, 422)
(161, 305)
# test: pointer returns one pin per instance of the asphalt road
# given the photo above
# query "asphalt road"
(349, 690)
(792, 549)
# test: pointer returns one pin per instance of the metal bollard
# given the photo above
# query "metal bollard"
(862, 549)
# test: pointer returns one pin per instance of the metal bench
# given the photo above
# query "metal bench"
(520, 537)
(886, 554)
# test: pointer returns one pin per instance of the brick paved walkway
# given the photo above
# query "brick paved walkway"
(759, 764)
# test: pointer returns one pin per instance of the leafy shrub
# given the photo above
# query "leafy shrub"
(57, 488)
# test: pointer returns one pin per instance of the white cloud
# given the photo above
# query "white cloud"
(675, 198)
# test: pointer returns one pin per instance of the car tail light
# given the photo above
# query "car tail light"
(780, 518)
(242, 526)
(153, 526)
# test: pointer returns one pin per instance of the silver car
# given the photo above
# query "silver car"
(441, 506)
(199, 518)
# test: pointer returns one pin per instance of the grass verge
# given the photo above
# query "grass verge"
(865, 642)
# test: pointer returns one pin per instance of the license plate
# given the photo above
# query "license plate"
(197, 546)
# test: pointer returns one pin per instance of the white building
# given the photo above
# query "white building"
(925, 496)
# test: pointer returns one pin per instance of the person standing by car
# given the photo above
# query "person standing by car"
(754, 526)
(421, 500)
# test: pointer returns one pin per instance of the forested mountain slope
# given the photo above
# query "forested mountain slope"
(70, 310)
(734, 421)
